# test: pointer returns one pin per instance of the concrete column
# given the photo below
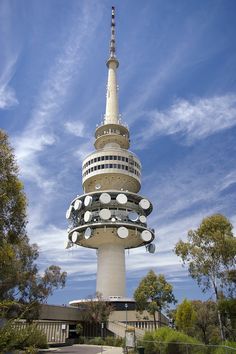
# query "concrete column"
(112, 111)
(111, 270)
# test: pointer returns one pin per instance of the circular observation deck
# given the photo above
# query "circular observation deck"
(109, 217)
(111, 168)
(112, 133)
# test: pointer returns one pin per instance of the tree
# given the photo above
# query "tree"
(227, 308)
(154, 294)
(205, 323)
(20, 280)
(96, 309)
(185, 317)
(210, 253)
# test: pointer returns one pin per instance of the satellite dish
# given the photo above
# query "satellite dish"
(144, 203)
(121, 198)
(105, 214)
(105, 198)
(87, 216)
(88, 233)
(77, 204)
(151, 248)
(146, 235)
(98, 186)
(122, 232)
(78, 219)
(113, 219)
(88, 200)
(133, 216)
(74, 236)
(69, 212)
(143, 219)
(68, 244)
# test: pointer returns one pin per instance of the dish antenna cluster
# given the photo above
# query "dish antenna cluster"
(111, 216)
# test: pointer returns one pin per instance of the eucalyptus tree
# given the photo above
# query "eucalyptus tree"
(210, 254)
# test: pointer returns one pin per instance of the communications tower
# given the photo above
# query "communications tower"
(111, 216)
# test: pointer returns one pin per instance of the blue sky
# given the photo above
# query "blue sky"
(177, 81)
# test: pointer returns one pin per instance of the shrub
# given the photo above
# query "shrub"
(167, 341)
(223, 350)
(96, 341)
(20, 338)
(114, 341)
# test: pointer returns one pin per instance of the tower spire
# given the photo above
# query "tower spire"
(113, 39)
(112, 108)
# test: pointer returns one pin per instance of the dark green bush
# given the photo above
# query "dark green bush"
(223, 350)
(166, 340)
(114, 341)
(96, 341)
(12, 337)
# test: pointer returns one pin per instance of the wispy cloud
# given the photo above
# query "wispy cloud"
(54, 93)
(75, 128)
(192, 120)
(8, 97)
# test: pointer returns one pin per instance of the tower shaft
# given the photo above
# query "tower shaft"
(112, 109)
(111, 270)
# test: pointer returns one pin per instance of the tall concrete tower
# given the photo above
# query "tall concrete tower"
(110, 216)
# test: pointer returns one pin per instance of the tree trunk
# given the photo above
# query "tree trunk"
(155, 321)
(222, 334)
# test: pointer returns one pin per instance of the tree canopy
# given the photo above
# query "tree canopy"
(210, 253)
(19, 275)
(154, 294)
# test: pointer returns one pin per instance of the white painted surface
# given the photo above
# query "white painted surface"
(111, 270)
(112, 112)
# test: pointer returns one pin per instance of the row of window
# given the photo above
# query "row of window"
(113, 131)
(111, 157)
(123, 167)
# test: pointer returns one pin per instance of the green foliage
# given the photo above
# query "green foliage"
(20, 279)
(111, 341)
(114, 341)
(198, 319)
(227, 308)
(223, 350)
(210, 253)
(185, 317)
(96, 341)
(79, 328)
(206, 322)
(153, 294)
(13, 337)
(166, 340)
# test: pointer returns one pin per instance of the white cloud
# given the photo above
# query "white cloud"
(84, 150)
(194, 119)
(8, 97)
(75, 128)
(54, 93)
